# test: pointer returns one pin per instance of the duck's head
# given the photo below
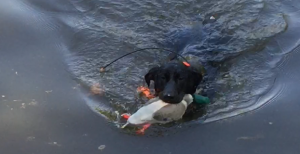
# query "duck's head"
(188, 98)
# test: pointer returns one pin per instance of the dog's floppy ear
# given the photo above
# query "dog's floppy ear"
(195, 80)
(151, 75)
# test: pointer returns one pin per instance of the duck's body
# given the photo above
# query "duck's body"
(157, 111)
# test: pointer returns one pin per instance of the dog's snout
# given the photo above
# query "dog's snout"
(168, 96)
(169, 93)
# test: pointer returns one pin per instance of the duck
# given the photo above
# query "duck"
(157, 111)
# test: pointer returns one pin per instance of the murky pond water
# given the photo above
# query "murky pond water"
(227, 37)
(250, 50)
(238, 42)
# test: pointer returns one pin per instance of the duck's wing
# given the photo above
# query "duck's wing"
(170, 112)
(145, 113)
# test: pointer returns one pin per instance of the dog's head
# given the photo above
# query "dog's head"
(173, 80)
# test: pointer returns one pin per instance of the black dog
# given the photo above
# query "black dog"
(173, 80)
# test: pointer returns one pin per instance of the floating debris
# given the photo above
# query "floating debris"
(95, 89)
(3, 96)
(107, 114)
(30, 138)
(250, 137)
(33, 103)
(118, 119)
(54, 143)
(212, 18)
(101, 147)
(16, 73)
(23, 106)
(49, 91)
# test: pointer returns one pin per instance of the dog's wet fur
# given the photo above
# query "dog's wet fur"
(173, 80)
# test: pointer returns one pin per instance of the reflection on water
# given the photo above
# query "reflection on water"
(231, 46)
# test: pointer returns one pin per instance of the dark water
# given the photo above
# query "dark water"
(250, 52)
(231, 47)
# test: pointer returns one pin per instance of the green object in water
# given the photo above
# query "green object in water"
(201, 99)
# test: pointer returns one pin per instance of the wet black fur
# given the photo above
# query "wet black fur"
(173, 80)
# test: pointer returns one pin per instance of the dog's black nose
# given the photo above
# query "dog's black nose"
(168, 96)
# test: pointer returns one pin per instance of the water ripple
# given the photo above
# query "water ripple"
(240, 47)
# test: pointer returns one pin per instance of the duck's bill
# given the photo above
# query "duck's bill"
(124, 125)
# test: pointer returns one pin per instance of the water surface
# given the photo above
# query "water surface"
(232, 46)
(250, 52)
